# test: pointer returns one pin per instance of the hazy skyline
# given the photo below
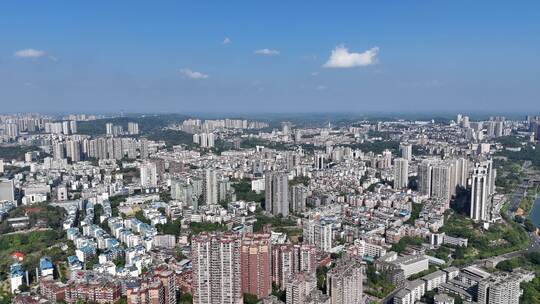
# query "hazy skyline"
(262, 57)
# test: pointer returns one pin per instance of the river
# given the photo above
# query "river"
(535, 213)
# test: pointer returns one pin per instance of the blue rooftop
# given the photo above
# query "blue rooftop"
(45, 263)
(16, 270)
(73, 259)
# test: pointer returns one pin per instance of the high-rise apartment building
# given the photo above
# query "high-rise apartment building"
(298, 198)
(318, 233)
(210, 187)
(462, 172)
(299, 286)
(109, 128)
(11, 130)
(424, 178)
(401, 173)
(73, 126)
(441, 181)
(277, 193)
(406, 151)
(255, 261)
(479, 194)
(65, 128)
(73, 150)
(157, 286)
(205, 140)
(344, 283)
(7, 190)
(502, 288)
(386, 160)
(148, 174)
(288, 259)
(284, 263)
(216, 269)
(482, 190)
(59, 150)
(319, 161)
(133, 128)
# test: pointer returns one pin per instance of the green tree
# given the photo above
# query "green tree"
(250, 298)
(185, 298)
(505, 266)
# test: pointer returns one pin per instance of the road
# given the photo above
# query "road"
(520, 193)
(522, 189)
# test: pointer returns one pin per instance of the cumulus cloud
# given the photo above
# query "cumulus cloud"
(342, 58)
(227, 40)
(29, 53)
(188, 73)
(267, 52)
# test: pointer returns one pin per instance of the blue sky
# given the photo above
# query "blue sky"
(269, 56)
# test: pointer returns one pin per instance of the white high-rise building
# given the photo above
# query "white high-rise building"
(500, 288)
(73, 150)
(492, 175)
(424, 178)
(344, 283)
(406, 151)
(277, 193)
(203, 139)
(386, 159)
(401, 173)
(7, 190)
(318, 233)
(465, 122)
(441, 181)
(211, 187)
(490, 129)
(11, 130)
(73, 126)
(319, 161)
(109, 128)
(298, 198)
(133, 128)
(16, 277)
(211, 140)
(479, 194)
(462, 172)
(459, 118)
(299, 286)
(216, 269)
(65, 128)
(499, 128)
(59, 150)
(148, 175)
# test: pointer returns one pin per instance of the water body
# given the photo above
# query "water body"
(535, 213)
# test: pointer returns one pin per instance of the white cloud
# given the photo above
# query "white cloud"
(342, 58)
(315, 74)
(267, 52)
(188, 73)
(227, 40)
(321, 87)
(29, 53)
